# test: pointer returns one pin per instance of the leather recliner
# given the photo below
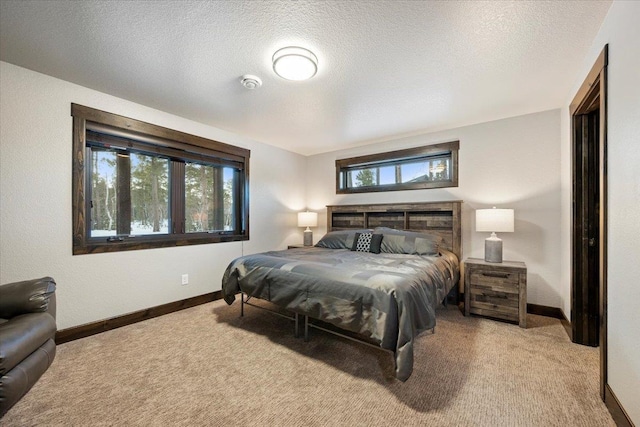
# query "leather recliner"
(27, 333)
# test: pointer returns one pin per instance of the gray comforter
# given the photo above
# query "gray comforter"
(389, 298)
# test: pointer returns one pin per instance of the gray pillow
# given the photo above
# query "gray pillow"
(408, 242)
(341, 239)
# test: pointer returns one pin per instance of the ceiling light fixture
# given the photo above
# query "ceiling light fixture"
(295, 63)
(250, 82)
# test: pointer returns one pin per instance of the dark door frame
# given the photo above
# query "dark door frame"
(592, 91)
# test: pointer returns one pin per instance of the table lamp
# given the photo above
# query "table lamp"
(494, 220)
(308, 219)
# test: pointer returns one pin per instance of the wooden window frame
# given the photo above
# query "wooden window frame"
(163, 141)
(449, 149)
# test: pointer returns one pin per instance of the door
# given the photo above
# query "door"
(586, 268)
(589, 213)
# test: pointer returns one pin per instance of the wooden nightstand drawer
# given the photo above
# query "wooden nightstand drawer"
(493, 303)
(491, 296)
(508, 281)
(496, 290)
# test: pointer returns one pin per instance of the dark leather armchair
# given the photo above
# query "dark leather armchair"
(27, 333)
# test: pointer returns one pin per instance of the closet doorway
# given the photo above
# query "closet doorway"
(589, 213)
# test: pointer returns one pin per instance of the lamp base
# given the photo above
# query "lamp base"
(493, 249)
(308, 238)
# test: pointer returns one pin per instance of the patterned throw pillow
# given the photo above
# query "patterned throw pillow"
(367, 242)
(364, 242)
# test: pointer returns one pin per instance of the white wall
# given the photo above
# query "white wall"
(35, 206)
(511, 163)
(621, 31)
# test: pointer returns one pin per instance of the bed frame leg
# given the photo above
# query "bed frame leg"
(241, 304)
(296, 332)
(433, 330)
(454, 294)
(306, 328)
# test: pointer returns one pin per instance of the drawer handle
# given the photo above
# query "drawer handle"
(500, 275)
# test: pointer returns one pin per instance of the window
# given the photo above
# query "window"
(138, 186)
(431, 166)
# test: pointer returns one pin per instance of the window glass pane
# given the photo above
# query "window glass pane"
(231, 180)
(103, 193)
(129, 194)
(209, 198)
(414, 172)
(387, 175)
(363, 177)
(149, 195)
(439, 169)
(426, 170)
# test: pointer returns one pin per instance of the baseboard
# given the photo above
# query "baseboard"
(567, 326)
(555, 312)
(544, 310)
(616, 410)
(77, 332)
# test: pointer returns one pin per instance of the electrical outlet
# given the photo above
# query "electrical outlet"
(185, 279)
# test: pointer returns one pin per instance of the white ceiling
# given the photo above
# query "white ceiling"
(386, 68)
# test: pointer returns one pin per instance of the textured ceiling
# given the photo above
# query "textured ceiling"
(386, 68)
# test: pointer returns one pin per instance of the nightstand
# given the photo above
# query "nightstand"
(497, 290)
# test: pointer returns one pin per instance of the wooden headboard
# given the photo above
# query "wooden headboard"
(436, 218)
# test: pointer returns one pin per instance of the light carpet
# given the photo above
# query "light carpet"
(206, 366)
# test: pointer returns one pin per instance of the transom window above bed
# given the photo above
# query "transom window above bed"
(138, 186)
(431, 166)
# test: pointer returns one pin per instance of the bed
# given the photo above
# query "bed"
(387, 298)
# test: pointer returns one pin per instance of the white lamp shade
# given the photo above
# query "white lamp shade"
(494, 220)
(307, 219)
